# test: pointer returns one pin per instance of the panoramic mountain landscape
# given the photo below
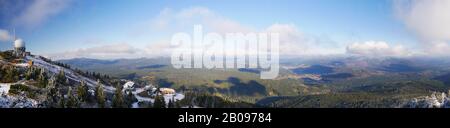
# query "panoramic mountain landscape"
(338, 82)
(225, 54)
(342, 82)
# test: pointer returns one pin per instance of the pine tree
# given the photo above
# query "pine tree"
(62, 102)
(177, 104)
(61, 77)
(170, 104)
(72, 101)
(52, 94)
(28, 74)
(82, 91)
(42, 79)
(130, 99)
(118, 98)
(11, 75)
(100, 95)
(159, 102)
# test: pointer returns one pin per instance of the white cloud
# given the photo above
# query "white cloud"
(377, 49)
(117, 51)
(39, 11)
(158, 49)
(292, 41)
(440, 48)
(114, 51)
(187, 18)
(429, 20)
(5, 36)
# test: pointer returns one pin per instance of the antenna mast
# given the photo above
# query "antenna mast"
(14, 31)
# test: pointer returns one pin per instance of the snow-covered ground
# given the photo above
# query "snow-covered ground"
(14, 101)
(135, 105)
(176, 97)
(195, 106)
(167, 97)
(129, 84)
(436, 100)
(4, 88)
(143, 99)
(22, 64)
(55, 69)
(7, 101)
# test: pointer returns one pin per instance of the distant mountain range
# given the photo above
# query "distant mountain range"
(323, 82)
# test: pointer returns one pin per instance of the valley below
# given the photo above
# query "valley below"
(345, 82)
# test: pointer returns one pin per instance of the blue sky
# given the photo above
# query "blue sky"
(86, 24)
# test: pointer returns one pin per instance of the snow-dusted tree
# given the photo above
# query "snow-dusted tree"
(11, 74)
(72, 101)
(100, 95)
(61, 78)
(52, 93)
(159, 102)
(62, 102)
(42, 79)
(29, 73)
(82, 92)
(118, 98)
(130, 99)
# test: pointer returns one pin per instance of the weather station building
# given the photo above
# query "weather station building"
(19, 47)
(20, 53)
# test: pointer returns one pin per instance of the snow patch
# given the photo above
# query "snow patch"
(151, 89)
(4, 88)
(7, 101)
(176, 97)
(21, 65)
(128, 85)
(435, 100)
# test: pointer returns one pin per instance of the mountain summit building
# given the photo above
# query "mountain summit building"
(19, 47)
